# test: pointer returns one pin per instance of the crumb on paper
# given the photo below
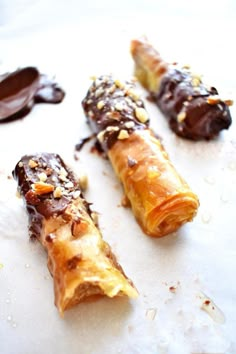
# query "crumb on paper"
(1, 265)
(151, 314)
(207, 305)
(173, 289)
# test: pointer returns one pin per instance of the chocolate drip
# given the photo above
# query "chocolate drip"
(20, 90)
(114, 110)
(58, 176)
(194, 111)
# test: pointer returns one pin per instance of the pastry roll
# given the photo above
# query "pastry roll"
(160, 199)
(81, 263)
(194, 110)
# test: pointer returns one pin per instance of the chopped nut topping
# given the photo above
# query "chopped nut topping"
(195, 82)
(69, 185)
(32, 164)
(123, 134)
(129, 125)
(119, 84)
(213, 99)
(141, 114)
(133, 94)
(181, 117)
(93, 77)
(90, 114)
(112, 129)
(63, 172)
(100, 104)
(99, 92)
(62, 178)
(89, 101)
(229, 102)
(76, 194)
(20, 164)
(57, 192)
(42, 188)
(83, 181)
(112, 89)
(100, 136)
(119, 106)
(42, 177)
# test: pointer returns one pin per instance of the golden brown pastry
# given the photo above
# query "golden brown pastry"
(160, 199)
(81, 263)
(194, 110)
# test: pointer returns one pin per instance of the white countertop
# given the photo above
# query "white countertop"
(74, 41)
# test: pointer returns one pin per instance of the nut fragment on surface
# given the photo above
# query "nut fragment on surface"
(42, 188)
(57, 193)
(119, 84)
(32, 164)
(42, 177)
(141, 114)
(100, 104)
(229, 102)
(76, 194)
(213, 99)
(181, 117)
(133, 94)
(123, 134)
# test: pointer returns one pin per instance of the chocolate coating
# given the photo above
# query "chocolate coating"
(183, 99)
(111, 107)
(45, 205)
(20, 90)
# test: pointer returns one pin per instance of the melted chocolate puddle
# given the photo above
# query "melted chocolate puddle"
(23, 88)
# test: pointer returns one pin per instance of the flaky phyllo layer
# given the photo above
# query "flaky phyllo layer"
(80, 261)
(160, 199)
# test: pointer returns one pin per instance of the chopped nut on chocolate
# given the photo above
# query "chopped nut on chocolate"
(123, 134)
(42, 188)
(141, 114)
(57, 192)
(69, 185)
(229, 102)
(129, 124)
(32, 164)
(119, 84)
(119, 106)
(213, 99)
(42, 177)
(133, 94)
(100, 104)
(181, 117)
(76, 194)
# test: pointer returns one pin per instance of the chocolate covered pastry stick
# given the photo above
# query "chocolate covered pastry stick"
(194, 110)
(81, 263)
(21, 89)
(160, 199)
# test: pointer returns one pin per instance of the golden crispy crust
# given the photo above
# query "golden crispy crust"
(149, 66)
(80, 261)
(160, 199)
